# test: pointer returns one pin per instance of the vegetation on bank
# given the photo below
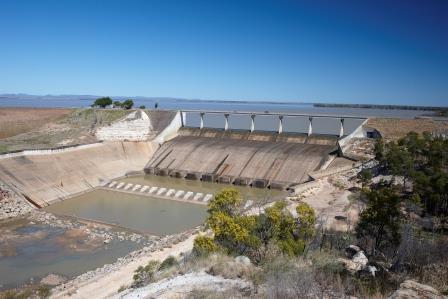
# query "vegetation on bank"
(402, 231)
(107, 101)
(251, 235)
(77, 127)
(40, 291)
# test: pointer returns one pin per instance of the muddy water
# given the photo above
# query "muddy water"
(254, 194)
(31, 251)
(142, 213)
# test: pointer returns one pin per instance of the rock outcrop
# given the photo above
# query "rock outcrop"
(414, 290)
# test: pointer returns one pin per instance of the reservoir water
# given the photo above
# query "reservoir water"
(167, 103)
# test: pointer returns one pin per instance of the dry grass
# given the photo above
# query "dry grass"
(391, 128)
(74, 127)
(14, 121)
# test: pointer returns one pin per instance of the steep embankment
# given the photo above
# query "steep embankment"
(49, 177)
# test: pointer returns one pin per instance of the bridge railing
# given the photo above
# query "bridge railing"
(280, 116)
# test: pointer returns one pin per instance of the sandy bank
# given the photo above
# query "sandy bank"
(105, 285)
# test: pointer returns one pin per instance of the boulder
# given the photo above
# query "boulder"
(414, 290)
(351, 250)
(53, 280)
(244, 260)
(357, 263)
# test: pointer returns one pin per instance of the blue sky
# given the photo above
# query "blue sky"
(387, 52)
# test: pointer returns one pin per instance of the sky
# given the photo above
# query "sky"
(380, 52)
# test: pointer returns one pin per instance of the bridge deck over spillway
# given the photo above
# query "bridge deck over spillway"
(258, 158)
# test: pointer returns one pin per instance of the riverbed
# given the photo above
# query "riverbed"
(29, 251)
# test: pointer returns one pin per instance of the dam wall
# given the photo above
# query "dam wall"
(46, 178)
(260, 159)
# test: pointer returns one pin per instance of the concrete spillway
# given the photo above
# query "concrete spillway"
(257, 158)
(46, 178)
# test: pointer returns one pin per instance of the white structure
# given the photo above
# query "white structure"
(128, 186)
(170, 192)
(153, 189)
(161, 191)
(179, 193)
(207, 197)
(198, 196)
(252, 122)
(188, 195)
(112, 184)
(136, 126)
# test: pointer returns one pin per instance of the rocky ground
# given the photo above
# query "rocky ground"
(105, 281)
(183, 285)
(12, 205)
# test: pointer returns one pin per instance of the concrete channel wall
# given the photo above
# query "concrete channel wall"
(38, 152)
(46, 178)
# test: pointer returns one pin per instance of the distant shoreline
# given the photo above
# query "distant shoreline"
(314, 104)
(376, 106)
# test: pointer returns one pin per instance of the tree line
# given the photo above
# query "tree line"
(104, 102)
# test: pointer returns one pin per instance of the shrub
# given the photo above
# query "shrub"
(204, 246)
(43, 291)
(145, 275)
(250, 235)
(168, 263)
(142, 107)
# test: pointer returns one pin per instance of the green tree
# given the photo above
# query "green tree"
(379, 224)
(128, 104)
(142, 107)
(307, 219)
(117, 104)
(103, 102)
(399, 161)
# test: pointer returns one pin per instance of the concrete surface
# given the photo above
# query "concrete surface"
(46, 178)
(211, 154)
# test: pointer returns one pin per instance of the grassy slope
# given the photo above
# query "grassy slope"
(14, 121)
(76, 127)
